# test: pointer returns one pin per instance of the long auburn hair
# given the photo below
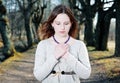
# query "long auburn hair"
(46, 30)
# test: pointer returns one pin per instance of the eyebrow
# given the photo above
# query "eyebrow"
(59, 21)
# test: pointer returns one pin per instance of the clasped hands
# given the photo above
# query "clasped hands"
(61, 50)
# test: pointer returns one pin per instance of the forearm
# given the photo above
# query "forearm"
(42, 71)
(83, 70)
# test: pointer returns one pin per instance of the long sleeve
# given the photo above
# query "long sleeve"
(80, 66)
(43, 66)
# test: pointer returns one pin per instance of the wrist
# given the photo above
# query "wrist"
(58, 58)
(66, 54)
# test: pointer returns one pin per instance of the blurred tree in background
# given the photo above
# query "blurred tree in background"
(117, 32)
(8, 48)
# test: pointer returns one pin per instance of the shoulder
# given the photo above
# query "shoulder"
(43, 42)
(80, 45)
(78, 42)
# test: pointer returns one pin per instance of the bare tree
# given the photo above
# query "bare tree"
(27, 9)
(103, 25)
(8, 49)
(37, 16)
(88, 12)
(117, 33)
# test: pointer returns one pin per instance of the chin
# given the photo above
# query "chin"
(63, 35)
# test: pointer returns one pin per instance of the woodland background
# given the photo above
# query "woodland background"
(99, 28)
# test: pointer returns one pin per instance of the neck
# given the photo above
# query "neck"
(61, 39)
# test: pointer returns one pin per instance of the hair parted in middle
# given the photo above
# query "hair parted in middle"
(46, 29)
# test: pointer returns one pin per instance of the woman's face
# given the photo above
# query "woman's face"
(61, 25)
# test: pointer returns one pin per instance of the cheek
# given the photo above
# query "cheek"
(68, 28)
(56, 29)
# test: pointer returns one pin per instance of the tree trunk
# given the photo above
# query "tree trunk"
(28, 31)
(36, 19)
(105, 32)
(117, 33)
(89, 32)
(88, 35)
(102, 31)
(8, 48)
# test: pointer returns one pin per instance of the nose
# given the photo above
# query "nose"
(62, 26)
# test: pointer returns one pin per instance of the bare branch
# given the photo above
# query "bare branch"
(20, 5)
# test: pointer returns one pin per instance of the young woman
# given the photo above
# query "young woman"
(59, 57)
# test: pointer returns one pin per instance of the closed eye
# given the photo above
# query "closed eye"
(58, 23)
(66, 23)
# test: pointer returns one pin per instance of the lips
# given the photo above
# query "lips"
(62, 31)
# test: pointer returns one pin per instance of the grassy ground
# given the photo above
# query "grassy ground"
(104, 65)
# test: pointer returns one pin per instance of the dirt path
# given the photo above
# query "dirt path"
(20, 71)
